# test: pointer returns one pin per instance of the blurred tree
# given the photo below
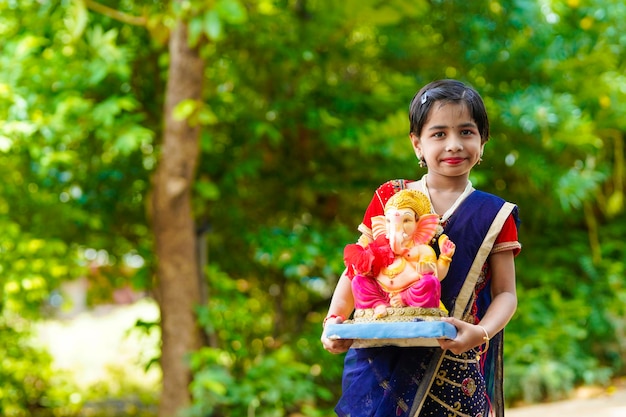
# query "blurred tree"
(300, 114)
(173, 222)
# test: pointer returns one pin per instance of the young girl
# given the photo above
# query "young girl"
(463, 377)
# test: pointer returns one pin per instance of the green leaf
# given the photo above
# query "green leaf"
(185, 109)
(207, 190)
(5, 143)
(615, 204)
(213, 25)
(207, 117)
(196, 28)
(232, 11)
(77, 18)
(131, 139)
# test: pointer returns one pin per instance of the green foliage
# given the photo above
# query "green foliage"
(545, 347)
(251, 368)
(568, 329)
(211, 21)
(29, 386)
(75, 156)
(303, 115)
(215, 390)
(116, 396)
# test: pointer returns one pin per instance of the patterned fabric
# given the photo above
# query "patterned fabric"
(381, 382)
(394, 375)
(421, 381)
(458, 388)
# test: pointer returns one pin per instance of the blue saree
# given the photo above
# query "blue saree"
(425, 381)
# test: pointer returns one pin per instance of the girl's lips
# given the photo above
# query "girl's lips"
(453, 161)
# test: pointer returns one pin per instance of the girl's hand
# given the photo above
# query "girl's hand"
(338, 345)
(468, 336)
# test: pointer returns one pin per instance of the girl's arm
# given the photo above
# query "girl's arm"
(342, 302)
(502, 308)
(341, 306)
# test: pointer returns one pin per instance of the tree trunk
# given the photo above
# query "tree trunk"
(174, 229)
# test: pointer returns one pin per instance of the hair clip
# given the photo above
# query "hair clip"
(424, 97)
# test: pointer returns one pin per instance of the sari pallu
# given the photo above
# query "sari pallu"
(425, 381)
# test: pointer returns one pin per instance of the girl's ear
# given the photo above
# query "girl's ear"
(415, 141)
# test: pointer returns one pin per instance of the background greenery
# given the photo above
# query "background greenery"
(304, 115)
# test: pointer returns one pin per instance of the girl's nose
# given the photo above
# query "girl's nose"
(454, 144)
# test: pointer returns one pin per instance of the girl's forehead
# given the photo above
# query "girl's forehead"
(449, 110)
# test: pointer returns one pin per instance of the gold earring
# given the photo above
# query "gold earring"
(422, 162)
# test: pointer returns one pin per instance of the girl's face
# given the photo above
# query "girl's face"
(450, 141)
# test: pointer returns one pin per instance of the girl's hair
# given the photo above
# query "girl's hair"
(448, 91)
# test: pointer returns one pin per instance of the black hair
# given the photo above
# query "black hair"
(448, 91)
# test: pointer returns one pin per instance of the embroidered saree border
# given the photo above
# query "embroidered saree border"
(467, 291)
(424, 388)
(465, 296)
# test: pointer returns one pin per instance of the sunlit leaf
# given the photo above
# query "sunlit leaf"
(207, 190)
(213, 25)
(132, 139)
(232, 11)
(185, 109)
(5, 143)
(76, 18)
(196, 29)
(615, 204)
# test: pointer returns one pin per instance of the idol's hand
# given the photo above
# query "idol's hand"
(396, 300)
(446, 246)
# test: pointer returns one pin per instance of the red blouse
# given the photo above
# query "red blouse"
(506, 240)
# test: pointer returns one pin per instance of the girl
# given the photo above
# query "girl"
(448, 130)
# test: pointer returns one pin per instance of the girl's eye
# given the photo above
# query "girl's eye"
(467, 132)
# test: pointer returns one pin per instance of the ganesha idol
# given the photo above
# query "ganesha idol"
(399, 269)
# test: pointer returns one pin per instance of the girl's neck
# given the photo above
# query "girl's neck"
(446, 193)
(446, 185)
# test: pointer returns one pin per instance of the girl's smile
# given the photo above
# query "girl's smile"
(450, 142)
(453, 161)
